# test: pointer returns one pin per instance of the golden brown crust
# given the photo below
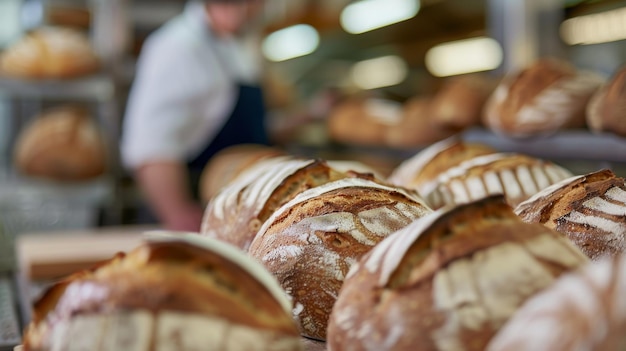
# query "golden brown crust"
(62, 144)
(421, 170)
(237, 213)
(51, 52)
(416, 128)
(354, 112)
(310, 242)
(447, 281)
(541, 99)
(227, 164)
(459, 103)
(590, 210)
(163, 277)
(607, 109)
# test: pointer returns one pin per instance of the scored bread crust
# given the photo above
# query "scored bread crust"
(62, 144)
(583, 310)
(516, 176)
(229, 163)
(606, 110)
(447, 281)
(161, 278)
(236, 214)
(589, 209)
(420, 171)
(310, 243)
(541, 99)
(50, 52)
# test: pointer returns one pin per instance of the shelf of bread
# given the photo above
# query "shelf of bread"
(97, 88)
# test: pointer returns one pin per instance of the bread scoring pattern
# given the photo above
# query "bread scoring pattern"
(581, 311)
(516, 176)
(311, 242)
(589, 209)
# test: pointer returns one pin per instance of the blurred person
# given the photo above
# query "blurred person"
(196, 92)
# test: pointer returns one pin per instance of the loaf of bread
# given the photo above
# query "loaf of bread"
(417, 127)
(228, 163)
(607, 109)
(447, 281)
(50, 52)
(310, 242)
(589, 209)
(63, 144)
(516, 176)
(582, 311)
(459, 103)
(238, 211)
(541, 99)
(176, 292)
(421, 171)
(363, 121)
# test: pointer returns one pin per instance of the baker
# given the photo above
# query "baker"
(196, 92)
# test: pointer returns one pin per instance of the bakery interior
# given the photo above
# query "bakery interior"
(367, 95)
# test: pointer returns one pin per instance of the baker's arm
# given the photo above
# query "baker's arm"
(165, 185)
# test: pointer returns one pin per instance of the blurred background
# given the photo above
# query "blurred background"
(318, 54)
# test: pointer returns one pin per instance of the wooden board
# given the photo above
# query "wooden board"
(50, 255)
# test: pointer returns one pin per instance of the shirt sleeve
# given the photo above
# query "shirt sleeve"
(161, 108)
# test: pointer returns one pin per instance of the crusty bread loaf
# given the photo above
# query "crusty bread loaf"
(176, 292)
(421, 171)
(363, 121)
(516, 176)
(607, 109)
(63, 144)
(459, 103)
(416, 128)
(582, 311)
(589, 209)
(50, 52)
(541, 99)
(238, 211)
(310, 243)
(228, 163)
(447, 281)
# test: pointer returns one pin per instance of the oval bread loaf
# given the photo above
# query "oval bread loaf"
(589, 209)
(607, 109)
(310, 243)
(176, 292)
(447, 281)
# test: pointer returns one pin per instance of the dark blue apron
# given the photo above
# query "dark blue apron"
(245, 125)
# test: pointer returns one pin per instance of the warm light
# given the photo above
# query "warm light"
(379, 72)
(366, 15)
(464, 56)
(594, 29)
(291, 42)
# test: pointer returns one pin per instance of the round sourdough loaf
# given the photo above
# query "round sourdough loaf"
(310, 242)
(447, 281)
(62, 144)
(541, 99)
(237, 212)
(589, 209)
(50, 52)
(416, 127)
(583, 310)
(607, 109)
(459, 103)
(516, 176)
(176, 292)
(229, 163)
(421, 171)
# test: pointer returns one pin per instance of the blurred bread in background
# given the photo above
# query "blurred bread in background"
(50, 52)
(62, 144)
(607, 109)
(363, 121)
(547, 96)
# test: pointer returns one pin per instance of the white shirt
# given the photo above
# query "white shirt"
(184, 90)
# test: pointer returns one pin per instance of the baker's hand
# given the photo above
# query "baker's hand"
(187, 218)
